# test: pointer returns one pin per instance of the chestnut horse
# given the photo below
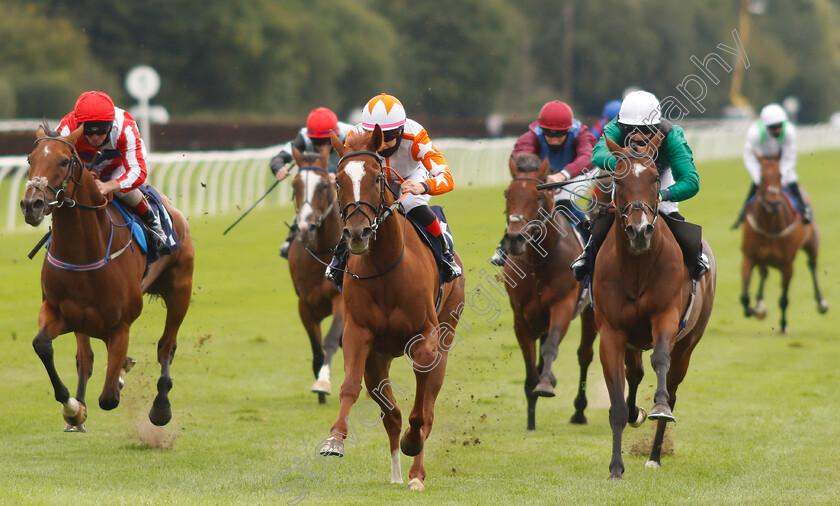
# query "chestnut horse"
(319, 232)
(544, 294)
(101, 294)
(390, 287)
(642, 297)
(772, 236)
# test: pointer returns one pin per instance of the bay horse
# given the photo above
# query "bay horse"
(772, 236)
(543, 292)
(642, 299)
(319, 231)
(101, 293)
(390, 287)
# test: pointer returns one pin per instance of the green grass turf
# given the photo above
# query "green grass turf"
(757, 418)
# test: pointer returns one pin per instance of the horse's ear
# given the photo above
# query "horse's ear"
(514, 170)
(74, 135)
(298, 157)
(376, 138)
(542, 172)
(40, 133)
(337, 145)
(613, 146)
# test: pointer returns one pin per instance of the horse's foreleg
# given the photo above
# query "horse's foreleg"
(528, 346)
(117, 345)
(84, 369)
(811, 248)
(331, 341)
(427, 361)
(588, 332)
(663, 329)
(760, 310)
(52, 325)
(746, 274)
(676, 373)
(313, 330)
(380, 388)
(787, 274)
(417, 473)
(560, 318)
(357, 344)
(612, 349)
(635, 372)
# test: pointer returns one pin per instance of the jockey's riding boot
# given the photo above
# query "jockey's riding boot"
(743, 212)
(499, 255)
(451, 269)
(284, 248)
(335, 271)
(801, 206)
(701, 267)
(582, 264)
(151, 221)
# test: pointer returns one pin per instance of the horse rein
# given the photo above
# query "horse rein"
(60, 194)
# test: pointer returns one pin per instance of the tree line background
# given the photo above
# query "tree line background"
(274, 60)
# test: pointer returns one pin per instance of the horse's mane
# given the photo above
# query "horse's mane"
(527, 162)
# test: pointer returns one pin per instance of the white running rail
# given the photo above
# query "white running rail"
(214, 182)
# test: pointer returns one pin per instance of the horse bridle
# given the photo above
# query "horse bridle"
(320, 217)
(380, 211)
(641, 204)
(519, 217)
(60, 194)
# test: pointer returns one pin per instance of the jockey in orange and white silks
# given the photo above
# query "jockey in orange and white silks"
(772, 135)
(111, 146)
(409, 151)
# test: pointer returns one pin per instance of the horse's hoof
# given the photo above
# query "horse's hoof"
(75, 413)
(333, 447)
(640, 419)
(544, 389)
(653, 464)
(760, 311)
(416, 484)
(160, 416)
(614, 476)
(321, 386)
(822, 307)
(783, 330)
(410, 450)
(662, 412)
(75, 428)
(578, 419)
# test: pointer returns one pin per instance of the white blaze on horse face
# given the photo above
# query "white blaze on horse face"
(310, 184)
(356, 171)
(638, 169)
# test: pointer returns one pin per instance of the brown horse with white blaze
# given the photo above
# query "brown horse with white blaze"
(543, 292)
(319, 230)
(390, 290)
(102, 294)
(642, 294)
(773, 234)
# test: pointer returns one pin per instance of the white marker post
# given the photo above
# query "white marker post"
(143, 83)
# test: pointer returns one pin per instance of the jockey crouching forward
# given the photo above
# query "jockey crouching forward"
(641, 114)
(111, 146)
(408, 150)
(568, 146)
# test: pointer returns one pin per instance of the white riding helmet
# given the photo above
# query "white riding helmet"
(640, 108)
(383, 110)
(773, 114)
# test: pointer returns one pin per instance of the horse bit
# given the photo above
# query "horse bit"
(381, 213)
